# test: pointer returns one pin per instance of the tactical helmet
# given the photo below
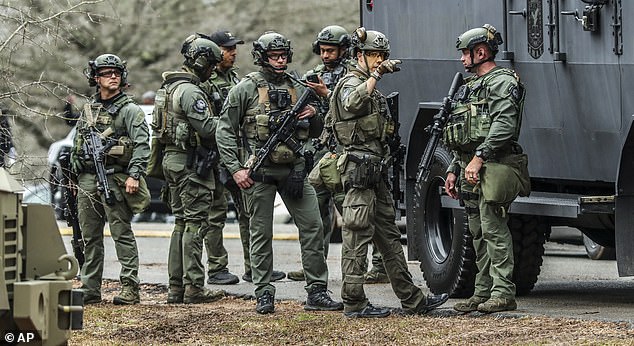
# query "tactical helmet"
(370, 41)
(333, 35)
(270, 41)
(200, 52)
(106, 60)
(486, 34)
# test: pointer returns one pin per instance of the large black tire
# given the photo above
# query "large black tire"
(529, 235)
(442, 236)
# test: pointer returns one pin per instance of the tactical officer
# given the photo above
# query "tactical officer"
(361, 124)
(490, 104)
(189, 164)
(247, 120)
(332, 46)
(217, 88)
(113, 115)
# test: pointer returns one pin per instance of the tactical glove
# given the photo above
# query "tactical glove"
(388, 66)
(294, 185)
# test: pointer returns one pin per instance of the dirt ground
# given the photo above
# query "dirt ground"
(233, 320)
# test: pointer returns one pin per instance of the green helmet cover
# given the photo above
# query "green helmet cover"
(105, 60)
(268, 42)
(200, 52)
(485, 34)
(334, 35)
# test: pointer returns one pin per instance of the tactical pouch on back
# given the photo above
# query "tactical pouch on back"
(358, 208)
(159, 117)
(155, 163)
(502, 181)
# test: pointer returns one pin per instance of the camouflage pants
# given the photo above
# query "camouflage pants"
(493, 244)
(385, 235)
(93, 212)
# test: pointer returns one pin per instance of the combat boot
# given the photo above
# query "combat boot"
(129, 294)
(297, 275)
(431, 302)
(368, 312)
(197, 295)
(275, 276)
(222, 278)
(265, 304)
(90, 297)
(175, 294)
(376, 277)
(319, 300)
(497, 304)
(470, 304)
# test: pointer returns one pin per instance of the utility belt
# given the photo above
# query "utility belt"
(368, 172)
(261, 178)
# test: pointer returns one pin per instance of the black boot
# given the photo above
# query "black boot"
(265, 304)
(368, 312)
(319, 300)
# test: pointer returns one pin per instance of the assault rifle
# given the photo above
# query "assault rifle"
(94, 149)
(70, 209)
(435, 130)
(285, 128)
(397, 151)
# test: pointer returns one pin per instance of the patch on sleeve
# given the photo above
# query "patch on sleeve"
(200, 106)
(516, 93)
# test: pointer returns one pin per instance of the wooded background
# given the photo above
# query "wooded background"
(45, 46)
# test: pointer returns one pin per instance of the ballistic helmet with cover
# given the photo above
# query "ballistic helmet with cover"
(200, 53)
(369, 40)
(333, 35)
(106, 60)
(270, 41)
(485, 34)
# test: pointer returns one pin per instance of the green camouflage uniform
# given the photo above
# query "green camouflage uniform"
(191, 195)
(127, 120)
(361, 125)
(238, 124)
(217, 88)
(492, 106)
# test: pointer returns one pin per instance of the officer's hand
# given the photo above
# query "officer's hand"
(450, 185)
(320, 88)
(472, 170)
(308, 112)
(388, 66)
(131, 185)
(243, 179)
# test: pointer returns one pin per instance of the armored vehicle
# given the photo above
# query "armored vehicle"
(37, 302)
(576, 59)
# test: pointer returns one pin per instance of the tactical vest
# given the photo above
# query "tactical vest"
(217, 88)
(266, 115)
(329, 77)
(107, 119)
(374, 126)
(169, 122)
(471, 119)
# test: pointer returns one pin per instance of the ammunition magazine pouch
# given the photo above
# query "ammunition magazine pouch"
(360, 130)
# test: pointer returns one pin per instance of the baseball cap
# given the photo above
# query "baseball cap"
(225, 38)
